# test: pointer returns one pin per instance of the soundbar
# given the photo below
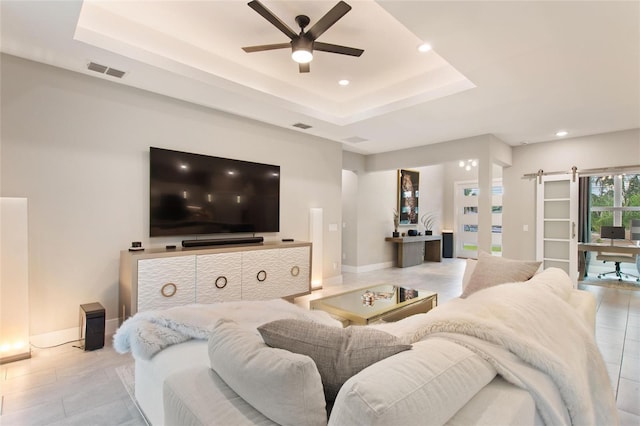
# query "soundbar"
(221, 241)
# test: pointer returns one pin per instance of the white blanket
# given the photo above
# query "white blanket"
(534, 322)
(147, 333)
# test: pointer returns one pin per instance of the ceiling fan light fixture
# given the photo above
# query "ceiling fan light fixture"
(302, 56)
(302, 50)
(304, 43)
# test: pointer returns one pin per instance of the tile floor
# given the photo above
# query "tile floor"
(67, 386)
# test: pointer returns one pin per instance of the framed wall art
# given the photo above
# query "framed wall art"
(408, 195)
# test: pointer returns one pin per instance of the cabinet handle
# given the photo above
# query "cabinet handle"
(169, 289)
(295, 271)
(261, 276)
(221, 282)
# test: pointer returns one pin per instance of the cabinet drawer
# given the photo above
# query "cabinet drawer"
(218, 277)
(166, 282)
(270, 274)
(294, 270)
(260, 275)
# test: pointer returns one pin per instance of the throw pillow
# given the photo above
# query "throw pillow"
(468, 271)
(493, 270)
(284, 386)
(339, 353)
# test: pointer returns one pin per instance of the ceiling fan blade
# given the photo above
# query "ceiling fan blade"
(263, 47)
(304, 67)
(331, 17)
(269, 16)
(334, 48)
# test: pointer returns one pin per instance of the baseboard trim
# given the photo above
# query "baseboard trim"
(58, 337)
(366, 268)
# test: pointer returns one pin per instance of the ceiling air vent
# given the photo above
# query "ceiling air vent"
(115, 73)
(302, 126)
(103, 69)
(355, 139)
(97, 67)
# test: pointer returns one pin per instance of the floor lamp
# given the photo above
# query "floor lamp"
(14, 280)
(315, 236)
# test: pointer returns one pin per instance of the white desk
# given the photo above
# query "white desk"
(606, 248)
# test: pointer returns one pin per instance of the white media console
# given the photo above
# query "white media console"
(163, 278)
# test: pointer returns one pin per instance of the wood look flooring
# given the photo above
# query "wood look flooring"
(68, 386)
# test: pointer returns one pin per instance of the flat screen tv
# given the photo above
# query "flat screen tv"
(193, 194)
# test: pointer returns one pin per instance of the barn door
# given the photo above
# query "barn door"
(557, 221)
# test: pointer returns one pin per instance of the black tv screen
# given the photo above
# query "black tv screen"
(193, 194)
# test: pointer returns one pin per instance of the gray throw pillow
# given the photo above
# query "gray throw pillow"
(493, 270)
(339, 353)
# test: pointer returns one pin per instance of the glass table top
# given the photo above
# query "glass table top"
(370, 302)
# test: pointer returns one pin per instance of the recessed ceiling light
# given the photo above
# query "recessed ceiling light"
(424, 47)
(344, 82)
(562, 133)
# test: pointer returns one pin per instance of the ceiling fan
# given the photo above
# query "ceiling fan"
(302, 45)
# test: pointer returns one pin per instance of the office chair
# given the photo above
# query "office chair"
(618, 258)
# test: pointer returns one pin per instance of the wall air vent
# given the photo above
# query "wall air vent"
(103, 69)
(355, 139)
(302, 126)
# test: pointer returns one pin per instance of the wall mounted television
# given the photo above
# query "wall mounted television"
(193, 194)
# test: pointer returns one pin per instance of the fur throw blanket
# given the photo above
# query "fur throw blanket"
(147, 333)
(517, 326)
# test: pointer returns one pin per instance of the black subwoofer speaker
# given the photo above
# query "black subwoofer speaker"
(447, 244)
(92, 326)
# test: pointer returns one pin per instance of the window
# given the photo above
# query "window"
(614, 201)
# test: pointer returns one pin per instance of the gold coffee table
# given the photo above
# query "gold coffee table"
(382, 302)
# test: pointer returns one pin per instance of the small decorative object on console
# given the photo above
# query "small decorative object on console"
(396, 223)
(136, 246)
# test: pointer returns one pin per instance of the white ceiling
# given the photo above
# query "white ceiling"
(518, 70)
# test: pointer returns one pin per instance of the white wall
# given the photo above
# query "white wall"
(77, 148)
(589, 152)
(369, 199)
(377, 183)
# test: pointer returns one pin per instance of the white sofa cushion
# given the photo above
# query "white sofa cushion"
(427, 384)
(493, 270)
(284, 386)
(468, 271)
(151, 374)
(487, 407)
(198, 396)
(339, 353)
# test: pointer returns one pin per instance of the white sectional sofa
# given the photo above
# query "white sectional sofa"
(494, 357)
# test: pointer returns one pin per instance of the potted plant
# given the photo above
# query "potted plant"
(428, 220)
(396, 223)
